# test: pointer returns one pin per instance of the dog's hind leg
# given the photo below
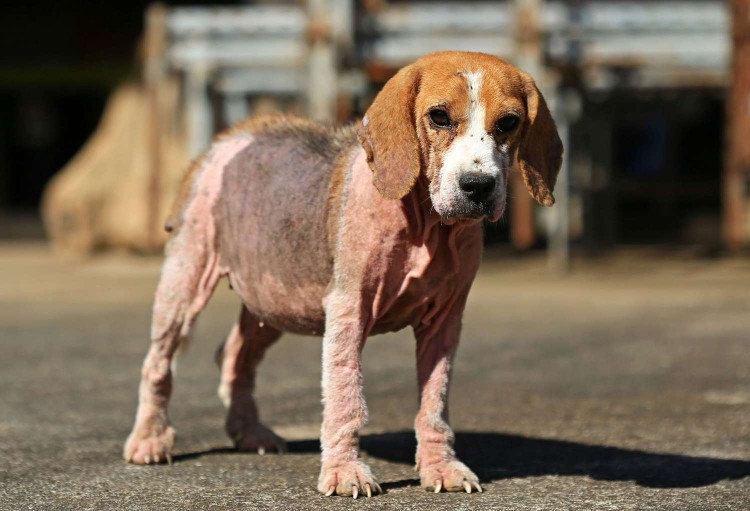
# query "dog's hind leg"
(238, 358)
(189, 275)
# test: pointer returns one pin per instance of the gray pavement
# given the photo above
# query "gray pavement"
(625, 385)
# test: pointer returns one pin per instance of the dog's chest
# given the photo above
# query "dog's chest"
(434, 273)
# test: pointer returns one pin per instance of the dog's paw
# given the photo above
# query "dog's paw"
(449, 475)
(143, 449)
(255, 437)
(349, 479)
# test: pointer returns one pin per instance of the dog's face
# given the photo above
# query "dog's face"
(461, 120)
(468, 124)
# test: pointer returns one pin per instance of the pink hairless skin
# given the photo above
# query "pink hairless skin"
(346, 233)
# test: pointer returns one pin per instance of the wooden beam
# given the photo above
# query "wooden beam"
(736, 184)
(529, 54)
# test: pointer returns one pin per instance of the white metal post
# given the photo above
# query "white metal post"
(199, 116)
(321, 83)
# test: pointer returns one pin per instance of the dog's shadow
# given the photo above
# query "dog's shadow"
(496, 456)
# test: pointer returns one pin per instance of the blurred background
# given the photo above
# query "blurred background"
(103, 104)
(621, 379)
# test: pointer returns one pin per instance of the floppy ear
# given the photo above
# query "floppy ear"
(540, 151)
(388, 135)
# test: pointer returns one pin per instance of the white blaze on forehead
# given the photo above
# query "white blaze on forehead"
(474, 150)
(477, 111)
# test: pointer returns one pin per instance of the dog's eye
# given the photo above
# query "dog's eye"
(506, 124)
(440, 118)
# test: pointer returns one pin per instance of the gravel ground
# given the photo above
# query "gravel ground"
(623, 385)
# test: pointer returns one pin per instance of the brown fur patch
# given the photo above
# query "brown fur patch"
(336, 195)
(447, 90)
(388, 136)
(541, 150)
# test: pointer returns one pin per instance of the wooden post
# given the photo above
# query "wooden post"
(736, 185)
(529, 58)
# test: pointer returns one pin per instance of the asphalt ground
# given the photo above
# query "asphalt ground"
(622, 385)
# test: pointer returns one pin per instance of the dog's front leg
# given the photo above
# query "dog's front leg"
(436, 460)
(344, 408)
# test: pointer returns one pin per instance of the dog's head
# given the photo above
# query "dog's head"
(462, 120)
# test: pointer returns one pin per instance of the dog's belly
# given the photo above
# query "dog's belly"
(273, 232)
(290, 309)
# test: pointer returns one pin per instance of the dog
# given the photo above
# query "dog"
(345, 233)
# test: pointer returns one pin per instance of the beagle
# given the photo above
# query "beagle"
(346, 233)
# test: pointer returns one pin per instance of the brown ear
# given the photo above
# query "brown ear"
(388, 135)
(540, 151)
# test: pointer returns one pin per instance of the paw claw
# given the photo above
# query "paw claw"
(347, 478)
(149, 448)
(449, 475)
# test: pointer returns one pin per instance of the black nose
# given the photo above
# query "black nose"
(477, 187)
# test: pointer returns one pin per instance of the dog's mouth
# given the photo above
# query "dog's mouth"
(491, 210)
